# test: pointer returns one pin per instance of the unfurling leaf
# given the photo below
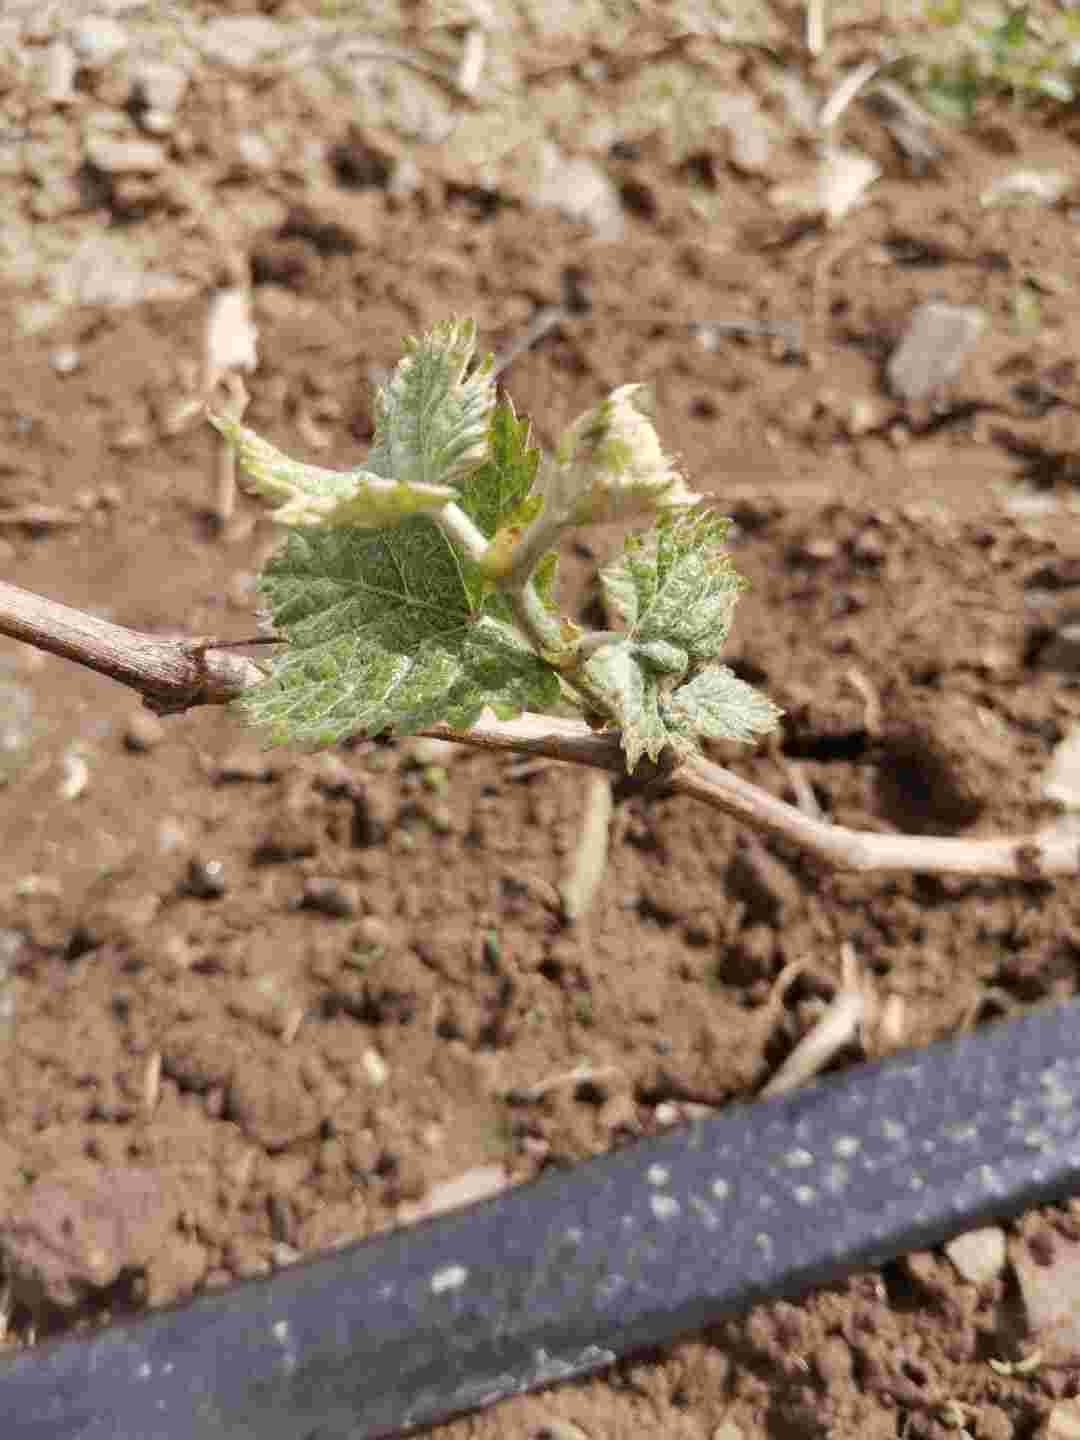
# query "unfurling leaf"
(675, 589)
(388, 629)
(431, 418)
(311, 496)
(610, 465)
(717, 705)
(677, 584)
(633, 692)
(497, 492)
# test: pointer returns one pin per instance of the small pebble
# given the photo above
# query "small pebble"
(375, 1067)
(76, 775)
(143, 731)
(933, 348)
(206, 879)
(159, 86)
(337, 898)
(124, 157)
(979, 1255)
(97, 39)
(65, 360)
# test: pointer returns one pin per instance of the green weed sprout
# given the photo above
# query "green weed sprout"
(1027, 52)
(422, 587)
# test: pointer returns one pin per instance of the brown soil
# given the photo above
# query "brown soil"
(271, 998)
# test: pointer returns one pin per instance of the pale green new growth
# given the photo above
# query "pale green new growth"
(717, 704)
(312, 496)
(431, 420)
(610, 466)
(675, 590)
(388, 629)
(677, 584)
(422, 587)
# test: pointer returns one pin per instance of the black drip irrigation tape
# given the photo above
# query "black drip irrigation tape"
(561, 1277)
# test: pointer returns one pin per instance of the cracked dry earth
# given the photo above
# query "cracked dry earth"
(263, 1003)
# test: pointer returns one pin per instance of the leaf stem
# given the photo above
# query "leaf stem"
(460, 530)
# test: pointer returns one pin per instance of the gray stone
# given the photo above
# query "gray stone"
(159, 86)
(979, 1255)
(252, 153)
(124, 157)
(57, 73)
(337, 898)
(934, 346)
(98, 39)
(578, 187)
(1047, 1268)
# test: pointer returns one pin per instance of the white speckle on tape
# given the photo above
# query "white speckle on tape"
(962, 1133)
(991, 1180)
(836, 1178)
(709, 1217)
(763, 1242)
(805, 1194)
(721, 1189)
(658, 1174)
(450, 1277)
(664, 1207)
(893, 1130)
(282, 1334)
(609, 1287)
(1055, 1095)
(798, 1159)
(845, 1146)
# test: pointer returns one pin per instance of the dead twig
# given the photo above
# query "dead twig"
(817, 26)
(40, 517)
(579, 888)
(805, 798)
(233, 408)
(171, 674)
(841, 1024)
(174, 674)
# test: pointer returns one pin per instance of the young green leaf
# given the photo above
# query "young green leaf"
(431, 419)
(718, 705)
(494, 494)
(388, 629)
(675, 589)
(677, 584)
